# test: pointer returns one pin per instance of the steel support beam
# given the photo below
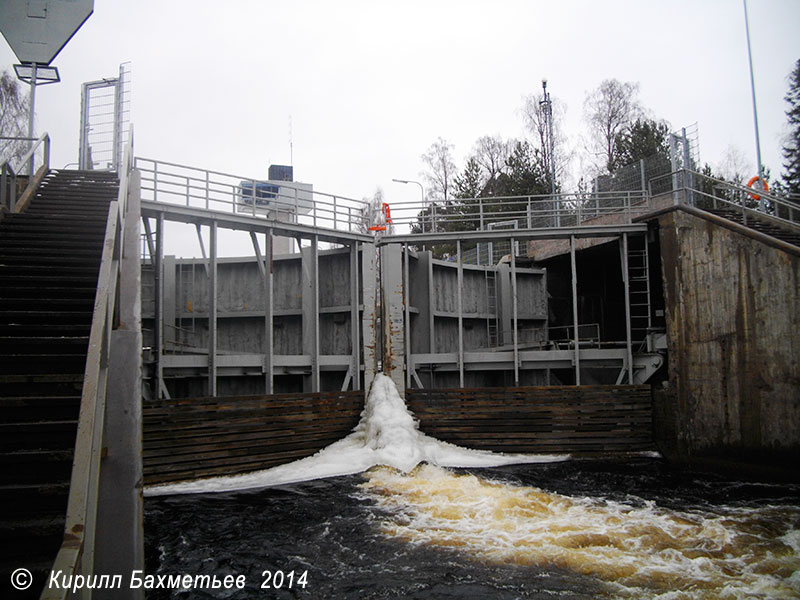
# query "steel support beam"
(212, 311)
(515, 312)
(460, 294)
(407, 313)
(265, 266)
(576, 332)
(545, 233)
(158, 325)
(355, 367)
(310, 258)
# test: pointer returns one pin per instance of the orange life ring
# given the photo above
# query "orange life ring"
(387, 218)
(750, 183)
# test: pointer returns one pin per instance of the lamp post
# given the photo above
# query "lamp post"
(422, 193)
(34, 75)
(755, 112)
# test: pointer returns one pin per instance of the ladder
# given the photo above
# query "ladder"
(491, 307)
(639, 288)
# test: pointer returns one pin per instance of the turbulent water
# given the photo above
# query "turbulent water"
(343, 524)
(575, 529)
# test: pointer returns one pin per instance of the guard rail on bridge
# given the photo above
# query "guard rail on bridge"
(286, 201)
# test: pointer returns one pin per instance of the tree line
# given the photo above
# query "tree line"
(620, 132)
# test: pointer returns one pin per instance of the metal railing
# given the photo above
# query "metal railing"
(9, 190)
(529, 212)
(701, 191)
(289, 202)
(76, 556)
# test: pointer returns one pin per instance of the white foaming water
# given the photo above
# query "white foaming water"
(386, 435)
(639, 551)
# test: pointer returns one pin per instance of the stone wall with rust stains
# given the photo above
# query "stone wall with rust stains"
(733, 323)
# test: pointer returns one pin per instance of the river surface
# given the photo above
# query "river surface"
(573, 529)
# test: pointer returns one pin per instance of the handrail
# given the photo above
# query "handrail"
(8, 185)
(692, 186)
(530, 211)
(76, 556)
(206, 189)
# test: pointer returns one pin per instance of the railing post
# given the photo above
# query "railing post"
(528, 213)
(334, 212)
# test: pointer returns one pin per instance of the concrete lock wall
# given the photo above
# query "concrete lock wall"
(733, 316)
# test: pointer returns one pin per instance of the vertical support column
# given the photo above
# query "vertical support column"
(626, 283)
(514, 312)
(212, 311)
(392, 315)
(265, 266)
(460, 305)
(576, 332)
(355, 363)
(158, 325)
(169, 300)
(310, 260)
(407, 315)
(431, 309)
(369, 328)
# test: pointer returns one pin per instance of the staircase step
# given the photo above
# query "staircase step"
(17, 345)
(44, 317)
(53, 280)
(44, 329)
(32, 364)
(30, 498)
(35, 466)
(50, 435)
(76, 252)
(22, 409)
(50, 385)
(35, 270)
(61, 292)
(47, 304)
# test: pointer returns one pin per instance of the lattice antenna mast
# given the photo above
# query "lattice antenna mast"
(547, 105)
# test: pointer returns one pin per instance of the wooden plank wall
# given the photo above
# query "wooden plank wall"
(577, 420)
(189, 438)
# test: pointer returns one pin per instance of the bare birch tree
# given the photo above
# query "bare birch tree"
(608, 110)
(14, 107)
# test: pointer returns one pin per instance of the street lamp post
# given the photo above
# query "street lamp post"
(755, 112)
(422, 193)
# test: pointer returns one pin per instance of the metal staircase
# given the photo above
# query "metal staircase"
(50, 256)
(770, 227)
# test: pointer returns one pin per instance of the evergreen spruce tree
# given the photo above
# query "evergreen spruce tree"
(791, 149)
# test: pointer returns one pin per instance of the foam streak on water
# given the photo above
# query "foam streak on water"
(641, 551)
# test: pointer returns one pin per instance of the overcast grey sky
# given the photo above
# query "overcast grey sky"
(370, 85)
